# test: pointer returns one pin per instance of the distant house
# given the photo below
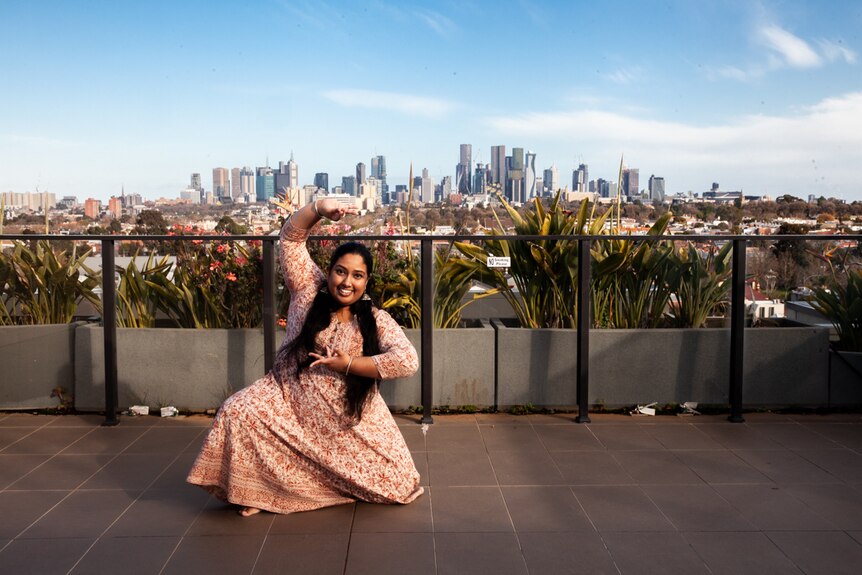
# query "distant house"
(758, 306)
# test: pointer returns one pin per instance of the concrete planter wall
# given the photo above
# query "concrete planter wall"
(194, 369)
(845, 379)
(463, 370)
(198, 369)
(783, 366)
(34, 360)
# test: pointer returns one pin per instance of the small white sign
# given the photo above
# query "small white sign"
(499, 262)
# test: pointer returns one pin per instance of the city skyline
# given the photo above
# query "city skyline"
(763, 96)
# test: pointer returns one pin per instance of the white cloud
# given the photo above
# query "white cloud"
(625, 76)
(789, 49)
(437, 22)
(765, 152)
(833, 51)
(403, 103)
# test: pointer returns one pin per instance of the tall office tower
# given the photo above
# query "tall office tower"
(378, 170)
(235, 186)
(247, 184)
(515, 176)
(221, 183)
(602, 188)
(656, 188)
(360, 175)
(264, 184)
(292, 173)
(530, 176)
(551, 180)
(631, 184)
(197, 186)
(498, 165)
(287, 176)
(580, 178)
(348, 185)
(321, 181)
(479, 180)
(462, 170)
(446, 187)
(426, 187)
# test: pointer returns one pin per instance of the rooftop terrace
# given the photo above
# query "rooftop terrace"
(528, 494)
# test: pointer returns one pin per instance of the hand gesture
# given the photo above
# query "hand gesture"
(335, 360)
(333, 209)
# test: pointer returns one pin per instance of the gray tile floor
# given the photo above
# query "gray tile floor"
(532, 494)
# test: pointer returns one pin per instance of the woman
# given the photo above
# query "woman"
(314, 431)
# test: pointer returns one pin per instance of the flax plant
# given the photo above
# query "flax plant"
(701, 284)
(43, 287)
(630, 280)
(543, 272)
(137, 295)
(841, 301)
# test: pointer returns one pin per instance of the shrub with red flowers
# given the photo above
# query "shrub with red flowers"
(215, 284)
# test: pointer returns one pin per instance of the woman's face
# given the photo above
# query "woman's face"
(347, 279)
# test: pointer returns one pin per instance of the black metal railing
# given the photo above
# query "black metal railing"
(582, 376)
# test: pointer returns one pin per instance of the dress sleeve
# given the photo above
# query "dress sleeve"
(398, 357)
(301, 274)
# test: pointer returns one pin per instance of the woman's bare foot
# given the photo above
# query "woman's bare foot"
(248, 511)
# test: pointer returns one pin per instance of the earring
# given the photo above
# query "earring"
(365, 297)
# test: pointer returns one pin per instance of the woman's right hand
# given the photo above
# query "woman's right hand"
(333, 209)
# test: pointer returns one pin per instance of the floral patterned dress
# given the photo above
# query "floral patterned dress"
(285, 444)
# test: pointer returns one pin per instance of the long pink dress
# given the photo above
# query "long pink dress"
(284, 444)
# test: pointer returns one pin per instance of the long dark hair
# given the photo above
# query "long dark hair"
(320, 316)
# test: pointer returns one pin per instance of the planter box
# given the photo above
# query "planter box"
(191, 369)
(845, 379)
(463, 370)
(35, 360)
(783, 366)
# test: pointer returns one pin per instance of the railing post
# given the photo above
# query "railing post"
(427, 331)
(737, 330)
(584, 312)
(109, 329)
(268, 304)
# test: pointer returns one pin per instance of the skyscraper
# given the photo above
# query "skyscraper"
(360, 175)
(378, 170)
(498, 165)
(287, 175)
(479, 179)
(580, 178)
(427, 187)
(247, 184)
(530, 175)
(630, 184)
(292, 173)
(321, 181)
(348, 185)
(264, 184)
(221, 184)
(235, 185)
(551, 180)
(515, 176)
(462, 170)
(656, 188)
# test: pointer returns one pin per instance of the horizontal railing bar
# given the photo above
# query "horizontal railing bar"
(438, 238)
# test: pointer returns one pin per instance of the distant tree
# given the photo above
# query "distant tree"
(227, 225)
(151, 222)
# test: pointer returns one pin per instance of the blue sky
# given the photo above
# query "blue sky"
(763, 96)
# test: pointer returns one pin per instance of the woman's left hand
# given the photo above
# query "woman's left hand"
(335, 360)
